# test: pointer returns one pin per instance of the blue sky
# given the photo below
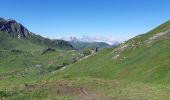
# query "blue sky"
(120, 19)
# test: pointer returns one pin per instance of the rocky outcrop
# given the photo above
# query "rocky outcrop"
(158, 36)
(13, 28)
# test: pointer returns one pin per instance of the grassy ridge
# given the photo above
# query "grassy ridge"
(10, 43)
(139, 61)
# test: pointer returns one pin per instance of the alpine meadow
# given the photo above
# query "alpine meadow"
(84, 66)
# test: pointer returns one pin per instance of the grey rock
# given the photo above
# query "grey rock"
(13, 28)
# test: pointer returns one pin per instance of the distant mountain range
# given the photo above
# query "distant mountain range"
(82, 45)
(14, 35)
(91, 39)
(88, 42)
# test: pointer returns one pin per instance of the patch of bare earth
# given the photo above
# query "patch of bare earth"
(61, 88)
(82, 93)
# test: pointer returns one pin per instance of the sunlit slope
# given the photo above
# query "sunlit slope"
(143, 58)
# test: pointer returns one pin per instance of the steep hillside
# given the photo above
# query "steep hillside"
(14, 35)
(10, 43)
(144, 58)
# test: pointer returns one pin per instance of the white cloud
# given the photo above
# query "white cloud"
(84, 38)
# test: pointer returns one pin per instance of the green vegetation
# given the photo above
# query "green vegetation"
(59, 44)
(139, 59)
(10, 43)
(138, 69)
(87, 88)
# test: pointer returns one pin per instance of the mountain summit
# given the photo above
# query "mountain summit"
(12, 34)
(13, 28)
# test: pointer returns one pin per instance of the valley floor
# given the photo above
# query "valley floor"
(41, 83)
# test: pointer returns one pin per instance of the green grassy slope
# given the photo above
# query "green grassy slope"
(22, 67)
(130, 71)
(33, 42)
(143, 58)
(13, 34)
(59, 44)
(10, 43)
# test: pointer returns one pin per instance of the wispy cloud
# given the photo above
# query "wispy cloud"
(85, 38)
